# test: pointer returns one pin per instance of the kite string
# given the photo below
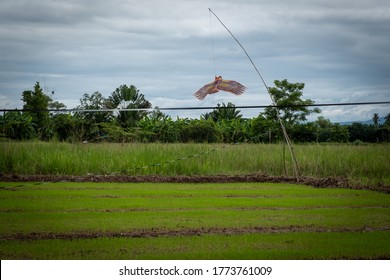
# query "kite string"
(242, 47)
(212, 41)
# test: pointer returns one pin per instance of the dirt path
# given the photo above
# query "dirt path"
(149, 233)
(339, 182)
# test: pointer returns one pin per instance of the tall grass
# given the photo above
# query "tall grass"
(369, 164)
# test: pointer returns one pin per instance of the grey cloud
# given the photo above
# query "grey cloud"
(338, 48)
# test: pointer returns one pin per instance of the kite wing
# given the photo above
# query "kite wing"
(203, 91)
(231, 86)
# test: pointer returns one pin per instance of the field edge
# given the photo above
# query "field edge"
(328, 182)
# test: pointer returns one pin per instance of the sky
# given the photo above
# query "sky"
(169, 49)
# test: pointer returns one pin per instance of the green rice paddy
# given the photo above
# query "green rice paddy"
(66, 220)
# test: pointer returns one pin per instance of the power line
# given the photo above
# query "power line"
(199, 108)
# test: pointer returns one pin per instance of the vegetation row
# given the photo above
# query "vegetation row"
(223, 124)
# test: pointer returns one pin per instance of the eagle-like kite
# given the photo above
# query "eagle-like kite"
(220, 84)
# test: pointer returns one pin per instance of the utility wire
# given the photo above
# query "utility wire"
(199, 108)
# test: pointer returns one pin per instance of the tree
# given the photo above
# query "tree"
(233, 131)
(199, 131)
(18, 126)
(289, 95)
(158, 127)
(125, 97)
(387, 120)
(362, 132)
(95, 101)
(37, 103)
(87, 122)
(223, 112)
(57, 105)
(375, 119)
(329, 132)
(264, 130)
(64, 127)
(304, 132)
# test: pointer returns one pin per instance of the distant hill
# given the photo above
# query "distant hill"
(380, 121)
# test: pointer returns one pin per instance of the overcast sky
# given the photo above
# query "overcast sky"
(339, 49)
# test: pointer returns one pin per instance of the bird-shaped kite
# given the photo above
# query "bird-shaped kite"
(220, 84)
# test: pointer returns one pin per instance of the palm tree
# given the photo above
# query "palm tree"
(126, 97)
(223, 112)
(375, 119)
(387, 120)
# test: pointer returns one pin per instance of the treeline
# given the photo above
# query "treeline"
(223, 124)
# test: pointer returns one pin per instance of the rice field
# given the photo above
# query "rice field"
(66, 220)
(74, 220)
